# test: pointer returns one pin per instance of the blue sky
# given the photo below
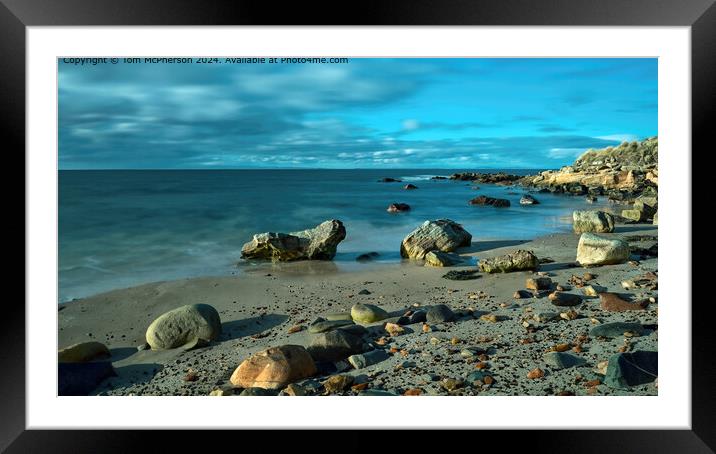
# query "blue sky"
(368, 113)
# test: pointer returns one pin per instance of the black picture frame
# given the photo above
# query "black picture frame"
(700, 15)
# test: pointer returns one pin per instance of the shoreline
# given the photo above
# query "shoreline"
(252, 322)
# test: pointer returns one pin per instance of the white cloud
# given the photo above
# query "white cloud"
(411, 124)
(620, 137)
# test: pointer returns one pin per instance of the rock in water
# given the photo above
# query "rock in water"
(335, 345)
(80, 379)
(370, 256)
(183, 325)
(367, 313)
(528, 200)
(442, 235)
(439, 258)
(631, 369)
(318, 243)
(517, 261)
(274, 368)
(491, 201)
(592, 221)
(83, 352)
(598, 250)
(439, 313)
(398, 207)
(613, 303)
(410, 186)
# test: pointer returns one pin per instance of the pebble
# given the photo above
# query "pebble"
(617, 329)
(565, 299)
(337, 383)
(535, 373)
(394, 329)
(538, 283)
(451, 384)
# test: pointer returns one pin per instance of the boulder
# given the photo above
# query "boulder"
(318, 243)
(389, 180)
(184, 325)
(334, 345)
(83, 352)
(442, 235)
(274, 368)
(80, 379)
(528, 200)
(490, 201)
(410, 186)
(367, 313)
(516, 261)
(655, 221)
(398, 207)
(598, 250)
(631, 369)
(439, 258)
(592, 221)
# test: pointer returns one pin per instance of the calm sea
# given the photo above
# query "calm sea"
(123, 228)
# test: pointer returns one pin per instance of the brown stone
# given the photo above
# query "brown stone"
(274, 368)
(611, 302)
(535, 373)
(337, 383)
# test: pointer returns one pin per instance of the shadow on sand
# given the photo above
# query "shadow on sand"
(250, 326)
(129, 375)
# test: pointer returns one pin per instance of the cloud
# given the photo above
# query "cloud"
(193, 116)
(620, 137)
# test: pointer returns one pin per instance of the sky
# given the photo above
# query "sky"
(367, 113)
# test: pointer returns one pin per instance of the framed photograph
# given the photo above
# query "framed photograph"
(422, 216)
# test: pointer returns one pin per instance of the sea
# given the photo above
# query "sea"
(120, 228)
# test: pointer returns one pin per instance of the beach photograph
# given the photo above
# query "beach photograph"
(328, 226)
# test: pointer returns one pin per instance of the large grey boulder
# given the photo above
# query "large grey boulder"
(184, 325)
(334, 346)
(442, 235)
(599, 250)
(592, 221)
(318, 243)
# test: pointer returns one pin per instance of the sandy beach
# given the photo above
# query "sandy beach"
(264, 306)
